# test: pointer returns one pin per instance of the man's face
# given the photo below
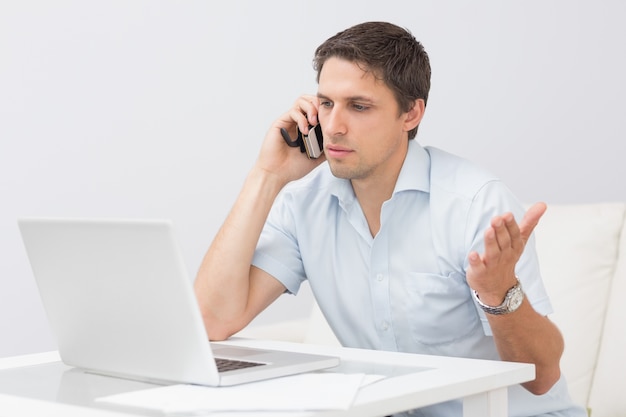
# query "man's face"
(365, 134)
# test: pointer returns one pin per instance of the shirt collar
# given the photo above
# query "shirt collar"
(415, 172)
(414, 175)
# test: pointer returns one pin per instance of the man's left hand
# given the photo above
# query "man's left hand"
(492, 274)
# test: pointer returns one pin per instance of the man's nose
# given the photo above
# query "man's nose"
(334, 123)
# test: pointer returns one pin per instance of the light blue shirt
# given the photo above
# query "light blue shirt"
(404, 289)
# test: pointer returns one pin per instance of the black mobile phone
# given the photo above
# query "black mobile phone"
(312, 144)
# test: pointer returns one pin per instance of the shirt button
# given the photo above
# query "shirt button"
(380, 277)
(384, 325)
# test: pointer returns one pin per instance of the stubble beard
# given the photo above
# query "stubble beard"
(345, 172)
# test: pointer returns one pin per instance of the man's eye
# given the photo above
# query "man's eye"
(359, 107)
(325, 103)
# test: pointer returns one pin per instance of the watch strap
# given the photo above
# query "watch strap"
(512, 300)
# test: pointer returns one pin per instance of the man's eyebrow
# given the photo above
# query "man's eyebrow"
(350, 98)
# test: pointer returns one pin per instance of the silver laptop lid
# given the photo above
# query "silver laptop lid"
(118, 298)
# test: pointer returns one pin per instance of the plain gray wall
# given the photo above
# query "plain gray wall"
(156, 109)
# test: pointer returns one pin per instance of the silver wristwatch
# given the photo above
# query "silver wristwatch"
(512, 300)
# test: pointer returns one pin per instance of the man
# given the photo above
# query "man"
(405, 248)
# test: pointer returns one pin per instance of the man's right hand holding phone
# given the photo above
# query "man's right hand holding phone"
(287, 162)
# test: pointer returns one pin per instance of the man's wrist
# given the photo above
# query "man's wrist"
(266, 179)
(512, 301)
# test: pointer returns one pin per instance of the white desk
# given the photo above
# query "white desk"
(414, 381)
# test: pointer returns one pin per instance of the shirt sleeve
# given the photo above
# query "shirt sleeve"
(277, 251)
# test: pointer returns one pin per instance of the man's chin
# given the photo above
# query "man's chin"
(344, 172)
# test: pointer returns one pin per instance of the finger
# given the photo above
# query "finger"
(299, 116)
(502, 232)
(531, 219)
(492, 247)
(476, 265)
(513, 231)
(308, 105)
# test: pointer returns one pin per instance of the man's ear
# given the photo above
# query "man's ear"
(413, 117)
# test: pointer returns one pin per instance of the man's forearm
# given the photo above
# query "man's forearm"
(222, 284)
(526, 336)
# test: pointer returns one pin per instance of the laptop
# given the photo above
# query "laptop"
(120, 303)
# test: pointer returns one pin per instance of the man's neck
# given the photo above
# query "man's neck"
(372, 192)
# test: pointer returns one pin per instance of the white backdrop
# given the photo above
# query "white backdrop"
(157, 108)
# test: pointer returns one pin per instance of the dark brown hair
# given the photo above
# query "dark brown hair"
(389, 52)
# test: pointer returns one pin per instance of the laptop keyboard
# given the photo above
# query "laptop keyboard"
(224, 365)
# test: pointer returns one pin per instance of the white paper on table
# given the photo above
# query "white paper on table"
(311, 391)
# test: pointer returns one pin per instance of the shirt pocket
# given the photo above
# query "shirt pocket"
(440, 308)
